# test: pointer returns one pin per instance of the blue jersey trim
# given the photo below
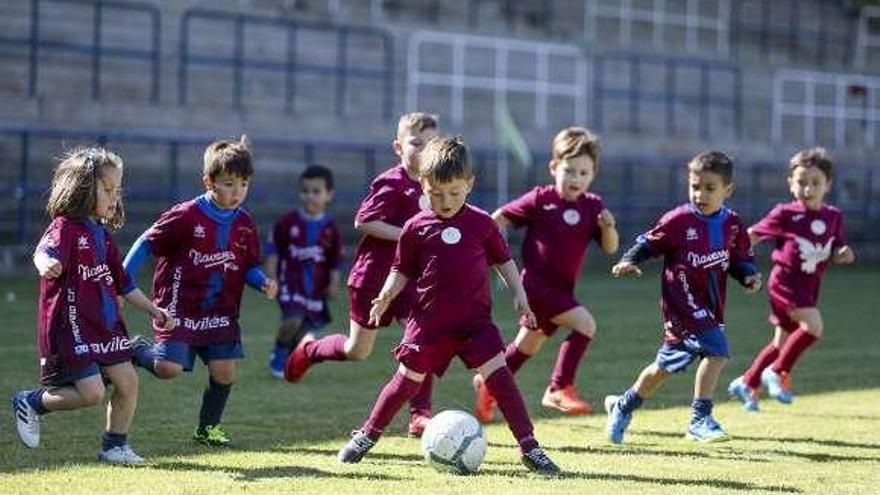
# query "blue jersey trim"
(108, 304)
(136, 256)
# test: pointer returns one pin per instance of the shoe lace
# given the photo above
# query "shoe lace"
(538, 456)
(361, 440)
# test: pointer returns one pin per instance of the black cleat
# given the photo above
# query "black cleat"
(356, 448)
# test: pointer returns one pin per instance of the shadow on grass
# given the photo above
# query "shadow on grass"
(810, 440)
(708, 483)
(725, 454)
(384, 456)
(257, 474)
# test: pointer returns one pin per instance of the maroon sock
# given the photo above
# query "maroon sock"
(514, 357)
(502, 386)
(752, 376)
(396, 392)
(421, 402)
(570, 354)
(794, 346)
(331, 347)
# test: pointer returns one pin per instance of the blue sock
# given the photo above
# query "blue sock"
(110, 440)
(34, 399)
(700, 408)
(213, 403)
(629, 401)
(145, 357)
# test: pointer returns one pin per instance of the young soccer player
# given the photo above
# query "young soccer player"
(701, 242)
(304, 251)
(82, 339)
(560, 219)
(447, 252)
(206, 249)
(808, 234)
(394, 197)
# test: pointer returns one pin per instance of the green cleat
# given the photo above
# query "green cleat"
(213, 436)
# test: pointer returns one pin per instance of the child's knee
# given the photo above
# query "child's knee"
(813, 328)
(126, 383)
(92, 395)
(167, 370)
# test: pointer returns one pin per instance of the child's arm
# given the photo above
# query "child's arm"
(395, 283)
(843, 256)
(629, 263)
(608, 226)
(136, 256)
(162, 317)
(510, 274)
(257, 279)
(754, 238)
(270, 263)
(47, 266)
(379, 229)
(502, 221)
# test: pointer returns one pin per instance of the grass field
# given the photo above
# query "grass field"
(287, 436)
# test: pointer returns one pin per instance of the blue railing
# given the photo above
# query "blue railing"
(638, 94)
(793, 35)
(238, 61)
(97, 49)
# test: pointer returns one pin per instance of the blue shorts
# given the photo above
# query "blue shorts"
(675, 358)
(91, 370)
(185, 355)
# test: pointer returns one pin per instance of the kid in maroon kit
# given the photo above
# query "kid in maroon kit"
(808, 234)
(206, 249)
(561, 219)
(82, 338)
(394, 197)
(447, 252)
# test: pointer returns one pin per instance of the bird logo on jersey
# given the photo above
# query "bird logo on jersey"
(812, 254)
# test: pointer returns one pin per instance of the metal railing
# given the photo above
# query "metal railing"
(663, 20)
(850, 103)
(97, 48)
(868, 36)
(238, 62)
(637, 94)
(458, 79)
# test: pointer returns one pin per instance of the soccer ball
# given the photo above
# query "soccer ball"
(454, 442)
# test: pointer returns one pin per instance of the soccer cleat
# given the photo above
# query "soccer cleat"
(536, 460)
(745, 394)
(122, 454)
(139, 342)
(566, 400)
(298, 363)
(277, 359)
(484, 405)
(26, 420)
(618, 421)
(213, 436)
(778, 385)
(356, 448)
(706, 430)
(417, 425)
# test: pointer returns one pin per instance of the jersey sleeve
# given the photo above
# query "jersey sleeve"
(335, 254)
(840, 239)
(660, 239)
(406, 255)
(166, 234)
(381, 198)
(742, 257)
(521, 211)
(772, 225)
(598, 206)
(497, 250)
(55, 243)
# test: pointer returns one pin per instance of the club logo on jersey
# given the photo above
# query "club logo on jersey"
(206, 323)
(95, 273)
(720, 257)
(812, 254)
(549, 206)
(307, 253)
(424, 203)
(117, 344)
(409, 192)
(571, 217)
(199, 231)
(818, 227)
(82, 242)
(226, 259)
(691, 234)
(450, 235)
(797, 218)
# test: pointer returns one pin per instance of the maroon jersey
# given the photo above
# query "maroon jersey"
(308, 250)
(449, 260)
(698, 251)
(394, 198)
(557, 234)
(805, 240)
(78, 319)
(201, 262)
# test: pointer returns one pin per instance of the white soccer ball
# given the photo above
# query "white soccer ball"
(454, 442)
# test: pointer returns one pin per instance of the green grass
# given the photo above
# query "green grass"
(287, 436)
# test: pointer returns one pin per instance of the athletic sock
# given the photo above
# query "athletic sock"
(570, 354)
(794, 346)
(629, 401)
(110, 440)
(502, 386)
(700, 408)
(329, 348)
(392, 397)
(514, 357)
(752, 376)
(213, 403)
(421, 402)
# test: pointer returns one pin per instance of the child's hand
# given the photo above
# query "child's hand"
(753, 283)
(625, 268)
(843, 256)
(605, 220)
(49, 267)
(120, 302)
(270, 288)
(163, 318)
(380, 306)
(521, 303)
